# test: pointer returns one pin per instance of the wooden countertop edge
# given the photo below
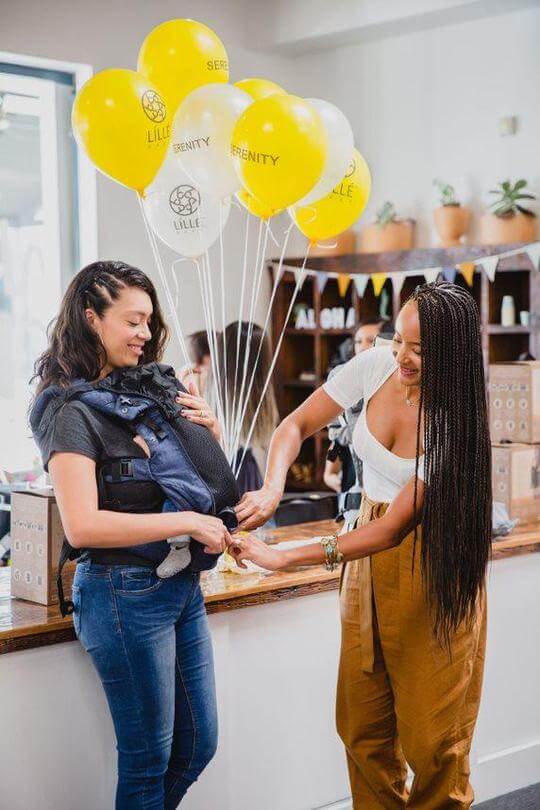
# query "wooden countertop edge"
(57, 631)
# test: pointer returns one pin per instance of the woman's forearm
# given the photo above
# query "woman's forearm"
(102, 528)
(377, 535)
(284, 448)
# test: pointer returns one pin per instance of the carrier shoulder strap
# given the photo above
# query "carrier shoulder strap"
(67, 553)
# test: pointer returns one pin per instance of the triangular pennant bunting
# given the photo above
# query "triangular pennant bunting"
(490, 266)
(321, 279)
(300, 277)
(449, 274)
(397, 281)
(361, 282)
(343, 281)
(467, 271)
(432, 274)
(534, 254)
(378, 279)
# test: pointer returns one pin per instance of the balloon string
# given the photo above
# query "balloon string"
(213, 333)
(254, 298)
(223, 324)
(210, 294)
(239, 327)
(210, 335)
(233, 432)
(165, 285)
(277, 278)
(299, 282)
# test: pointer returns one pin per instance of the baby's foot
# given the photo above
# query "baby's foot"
(178, 558)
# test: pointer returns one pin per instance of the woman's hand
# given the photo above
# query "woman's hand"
(254, 508)
(196, 409)
(251, 548)
(211, 532)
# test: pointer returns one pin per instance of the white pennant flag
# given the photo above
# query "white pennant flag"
(534, 254)
(397, 281)
(490, 266)
(361, 282)
(321, 279)
(432, 274)
(300, 277)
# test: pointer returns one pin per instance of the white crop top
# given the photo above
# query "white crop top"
(384, 473)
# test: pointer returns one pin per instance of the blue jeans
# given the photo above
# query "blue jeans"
(150, 644)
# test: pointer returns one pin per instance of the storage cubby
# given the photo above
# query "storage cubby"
(312, 349)
(516, 284)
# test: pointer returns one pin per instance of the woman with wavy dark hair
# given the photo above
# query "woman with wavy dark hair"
(413, 624)
(148, 637)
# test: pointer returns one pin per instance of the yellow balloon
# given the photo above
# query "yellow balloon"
(260, 88)
(253, 205)
(279, 147)
(180, 55)
(123, 125)
(337, 211)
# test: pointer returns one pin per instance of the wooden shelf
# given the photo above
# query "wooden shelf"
(515, 276)
(498, 329)
(410, 260)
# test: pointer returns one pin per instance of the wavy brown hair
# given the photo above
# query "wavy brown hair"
(245, 344)
(456, 518)
(75, 350)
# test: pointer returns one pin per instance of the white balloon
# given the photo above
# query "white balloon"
(201, 136)
(180, 213)
(340, 150)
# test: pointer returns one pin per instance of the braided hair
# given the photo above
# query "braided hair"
(456, 520)
(74, 349)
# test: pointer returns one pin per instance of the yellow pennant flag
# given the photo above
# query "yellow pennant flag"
(343, 281)
(378, 279)
(467, 271)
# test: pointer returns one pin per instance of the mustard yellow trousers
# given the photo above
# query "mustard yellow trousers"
(401, 698)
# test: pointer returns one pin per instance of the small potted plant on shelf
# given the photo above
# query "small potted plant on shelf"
(451, 218)
(509, 221)
(388, 232)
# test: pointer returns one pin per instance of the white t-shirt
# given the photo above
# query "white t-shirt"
(384, 473)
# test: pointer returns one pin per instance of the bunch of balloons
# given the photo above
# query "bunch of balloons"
(186, 140)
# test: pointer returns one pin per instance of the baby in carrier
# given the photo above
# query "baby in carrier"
(181, 456)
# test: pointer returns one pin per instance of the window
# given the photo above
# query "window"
(40, 239)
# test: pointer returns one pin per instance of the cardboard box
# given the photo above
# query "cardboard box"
(514, 401)
(516, 480)
(36, 540)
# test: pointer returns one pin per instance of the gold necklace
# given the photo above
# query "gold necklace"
(408, 399)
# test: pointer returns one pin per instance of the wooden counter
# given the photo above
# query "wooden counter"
(24, 625)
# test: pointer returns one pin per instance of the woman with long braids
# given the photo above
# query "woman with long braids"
(412, 590)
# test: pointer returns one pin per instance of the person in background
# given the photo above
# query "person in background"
(343, 468)
(201, 365)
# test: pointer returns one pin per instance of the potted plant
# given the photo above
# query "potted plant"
(509, 221)
(388, 232)
(451, 218)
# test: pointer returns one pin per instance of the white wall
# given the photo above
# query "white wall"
(426, 105)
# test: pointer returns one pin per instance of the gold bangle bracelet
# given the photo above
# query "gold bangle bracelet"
(333, 556)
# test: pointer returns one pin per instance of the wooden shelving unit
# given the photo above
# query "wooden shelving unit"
(310, 350)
